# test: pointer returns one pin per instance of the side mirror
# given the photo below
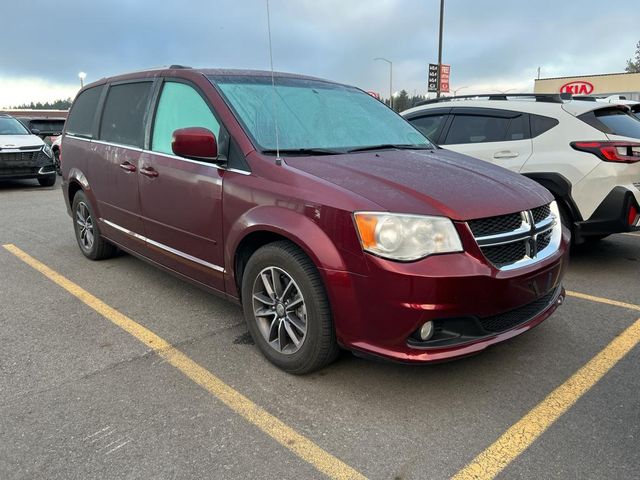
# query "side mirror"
(35, 131)
(196, 143)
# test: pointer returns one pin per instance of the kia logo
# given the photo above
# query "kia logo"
(577, 88)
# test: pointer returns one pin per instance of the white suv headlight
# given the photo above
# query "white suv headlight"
(47, 150)
(406, 237)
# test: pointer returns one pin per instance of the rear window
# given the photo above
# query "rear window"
(614, 121)
(124, 114)
(540, 124)
(83, 112)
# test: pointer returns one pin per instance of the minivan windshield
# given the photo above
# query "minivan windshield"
(11, 126)
(314, 117)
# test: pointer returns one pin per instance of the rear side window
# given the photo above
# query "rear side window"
(616, 122)
(518, 129)
(477, 129)
(124, 114)
(180, 106)
(540, 124)
(430, 125)
(83, 112)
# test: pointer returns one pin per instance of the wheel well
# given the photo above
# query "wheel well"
(247, 247)
(74, 187)
(560, 188)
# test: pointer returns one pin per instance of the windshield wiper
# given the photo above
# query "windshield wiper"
(386, 146)
(303, 151)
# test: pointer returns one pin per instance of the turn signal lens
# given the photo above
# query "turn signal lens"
(406, 237)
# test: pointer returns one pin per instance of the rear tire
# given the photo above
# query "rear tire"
(287, 310)
(87, 231)
(48, 181)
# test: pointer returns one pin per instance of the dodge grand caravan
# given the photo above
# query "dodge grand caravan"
(330, 219)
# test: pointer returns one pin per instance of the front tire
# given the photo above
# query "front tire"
(48, 181)
(287, 310)
(88, 236)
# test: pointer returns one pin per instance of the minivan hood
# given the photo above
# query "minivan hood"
(17, 141)
(430, 182)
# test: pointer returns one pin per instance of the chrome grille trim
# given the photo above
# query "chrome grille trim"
(547, 230)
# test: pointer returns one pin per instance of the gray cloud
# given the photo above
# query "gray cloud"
(485, 41)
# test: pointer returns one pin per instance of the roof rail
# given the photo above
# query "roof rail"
(538, 97)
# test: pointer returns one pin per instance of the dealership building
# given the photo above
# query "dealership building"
(623, 84)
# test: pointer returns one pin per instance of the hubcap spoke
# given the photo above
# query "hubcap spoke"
(268, 286)
(263, 299)
(300, 325)
(282, 336)
(294, 304)
(291, 333)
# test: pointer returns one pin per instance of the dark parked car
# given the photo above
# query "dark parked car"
(24, 155)
(327, 216)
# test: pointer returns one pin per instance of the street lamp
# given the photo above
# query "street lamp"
(455, 92)
(390, 79)
(82, 76)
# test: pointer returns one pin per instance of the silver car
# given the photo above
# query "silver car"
(23, 154)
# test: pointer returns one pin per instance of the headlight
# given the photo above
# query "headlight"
(47, 151)
(406, 237)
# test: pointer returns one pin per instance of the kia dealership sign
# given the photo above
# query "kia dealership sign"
(577, 88)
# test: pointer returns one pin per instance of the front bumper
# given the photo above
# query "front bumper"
(611, 216)
(378, 314)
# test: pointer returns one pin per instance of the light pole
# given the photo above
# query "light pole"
(82, 76)
(390, 79)
(440, 47)
(455, 92)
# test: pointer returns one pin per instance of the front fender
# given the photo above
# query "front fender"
(290, 224)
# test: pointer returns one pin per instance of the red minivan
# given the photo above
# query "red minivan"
(332, 220)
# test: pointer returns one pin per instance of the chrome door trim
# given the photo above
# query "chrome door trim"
(162, 246)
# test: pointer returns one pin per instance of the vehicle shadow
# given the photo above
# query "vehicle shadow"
(15, 185)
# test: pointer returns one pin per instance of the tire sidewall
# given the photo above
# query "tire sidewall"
(270, 256)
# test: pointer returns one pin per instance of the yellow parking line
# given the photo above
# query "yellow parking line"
(606, 301)
(269, 424)
(523, 433)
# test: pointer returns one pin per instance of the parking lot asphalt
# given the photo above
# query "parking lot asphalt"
(82, 398)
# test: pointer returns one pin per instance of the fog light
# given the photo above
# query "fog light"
(426, 331)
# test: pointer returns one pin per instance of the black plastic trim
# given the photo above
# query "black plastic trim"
(610, 216)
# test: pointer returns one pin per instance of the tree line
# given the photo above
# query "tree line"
(61, 104)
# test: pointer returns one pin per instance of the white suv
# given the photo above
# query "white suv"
(586, 153)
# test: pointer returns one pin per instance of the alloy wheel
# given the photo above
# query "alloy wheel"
(85, 226)
(279, 310)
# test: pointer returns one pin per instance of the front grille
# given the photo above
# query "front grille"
(541, 213)
(19, 157)
(513, 238)
(495, 225)
(544, 239)
(508, 320)
(501, 255)
(9, 172)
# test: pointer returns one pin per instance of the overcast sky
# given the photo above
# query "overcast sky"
(490, 44)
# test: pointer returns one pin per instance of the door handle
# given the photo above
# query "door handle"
(505, 154)
(149, 172)
(128, 167)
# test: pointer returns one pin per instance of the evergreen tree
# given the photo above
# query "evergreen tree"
(633, 64)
